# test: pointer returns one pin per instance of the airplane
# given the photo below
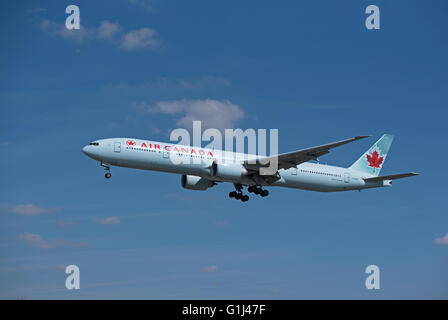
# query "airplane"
(202, 168)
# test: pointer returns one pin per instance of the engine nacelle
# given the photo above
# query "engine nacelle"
(195, 182)
(229, 171)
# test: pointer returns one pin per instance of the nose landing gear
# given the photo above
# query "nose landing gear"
(108, 175)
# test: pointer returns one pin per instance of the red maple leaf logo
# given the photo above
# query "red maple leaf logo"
(374, 160)
(130, 143)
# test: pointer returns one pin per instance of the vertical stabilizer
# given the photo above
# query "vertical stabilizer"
(372, 161)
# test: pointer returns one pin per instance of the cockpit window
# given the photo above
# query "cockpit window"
(94, 144)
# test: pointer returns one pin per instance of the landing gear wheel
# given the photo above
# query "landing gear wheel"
(245, 198)
(264, 193)
(232, 194)
(238, 196)
(108, 175)
(258, 190)
(251, 189)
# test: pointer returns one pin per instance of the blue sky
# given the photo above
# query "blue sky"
(309, 68)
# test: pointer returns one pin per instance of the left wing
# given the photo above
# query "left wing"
(294, 158)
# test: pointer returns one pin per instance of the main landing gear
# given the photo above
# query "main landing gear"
(258, 190)
(238, 194)
(108, 175)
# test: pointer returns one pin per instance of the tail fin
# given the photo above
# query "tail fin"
(372, 161)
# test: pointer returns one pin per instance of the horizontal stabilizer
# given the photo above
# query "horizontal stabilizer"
(392, 177)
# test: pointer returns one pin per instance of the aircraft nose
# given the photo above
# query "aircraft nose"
(85, 150)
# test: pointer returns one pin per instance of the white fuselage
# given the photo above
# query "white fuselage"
(159, 156)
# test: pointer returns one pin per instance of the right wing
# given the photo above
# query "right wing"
(294, 158)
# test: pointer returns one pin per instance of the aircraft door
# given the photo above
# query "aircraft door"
(346, 177)
(117, 146)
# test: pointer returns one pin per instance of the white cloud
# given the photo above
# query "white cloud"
(213, 113)
(59, 30)
(60, 267)
(32, 210)
(139, 39)
(35, 11)
(204, 82)
(146, 4)
(108, 221)
(107, 30)
(442, 240)
(144, 38)
(36, 240)
(209, 269)
(169, 107)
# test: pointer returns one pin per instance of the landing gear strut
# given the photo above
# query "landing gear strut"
(107, 168)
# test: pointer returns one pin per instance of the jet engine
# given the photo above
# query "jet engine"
(229, 171)
(195, 182)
